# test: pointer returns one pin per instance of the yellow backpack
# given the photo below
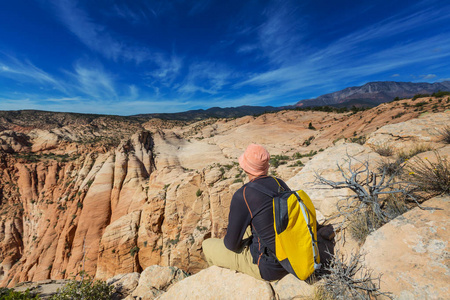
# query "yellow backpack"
(295, 227)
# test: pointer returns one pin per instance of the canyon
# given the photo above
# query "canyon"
(115, 195)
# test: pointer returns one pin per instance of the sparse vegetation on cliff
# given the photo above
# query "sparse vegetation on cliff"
(358, 139)
(417, 96)
(384, 149)
(85, 288)
(430, 175)
(277, 160)
(369, 208)
(36, 157)
(440, 94)
(416, 149)
(347, 278)
(134, 251)
(308, 141)
(445, 134)
(10, 294)
(339, 110)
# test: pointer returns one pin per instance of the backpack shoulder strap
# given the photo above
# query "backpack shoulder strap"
(265, 190)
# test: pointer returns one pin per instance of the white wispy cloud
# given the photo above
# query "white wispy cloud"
(428, 76)
(205, 77)
(95, 36)
(133, 16)
(57, 105)
(85, 81)
(393, 26)
(167, 68)
(355, 55)
(63, 99)
(25, 71)
(133, 91)
(94, 81)
(280, 37)
(199, 6)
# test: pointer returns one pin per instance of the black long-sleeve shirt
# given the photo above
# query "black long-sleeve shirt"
(255, 209)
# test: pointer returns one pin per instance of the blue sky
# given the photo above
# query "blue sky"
(146, 56)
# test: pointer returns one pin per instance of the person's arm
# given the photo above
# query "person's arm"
(238, 221)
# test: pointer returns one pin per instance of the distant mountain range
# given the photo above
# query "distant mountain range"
(214, 112)
(374, 93)
(368, 95)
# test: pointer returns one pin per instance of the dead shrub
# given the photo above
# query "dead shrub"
(445, 134)
(348, 278)
(419, 148)
(391, 168)
(365, 221)
(362, 223)
(380, 196)
(384, 149)
(430, 176)
(370, 189)
(396, 205)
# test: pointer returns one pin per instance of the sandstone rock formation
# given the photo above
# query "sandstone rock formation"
(11, 141)
(112, 195)
(221, 284)
(124, 284)
(412, 252)
(155, 280)
(65, 208)
(424, 130)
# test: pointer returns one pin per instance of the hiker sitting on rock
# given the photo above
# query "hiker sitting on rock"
(249, 221)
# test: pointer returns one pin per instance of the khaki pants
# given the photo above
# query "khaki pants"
(218, 255)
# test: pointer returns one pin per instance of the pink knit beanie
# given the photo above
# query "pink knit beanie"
(255, 160)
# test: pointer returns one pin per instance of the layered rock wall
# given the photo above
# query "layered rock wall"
(58, 211)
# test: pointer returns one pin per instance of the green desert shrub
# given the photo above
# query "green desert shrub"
(298, 155)
(440, 94)
(398, 115)
(277, 160)
(298, 163)
(308, 141)
(134, 251)
(420, 104)
(10, 294)
(417, 96)
(359, 140)
(85, 288)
